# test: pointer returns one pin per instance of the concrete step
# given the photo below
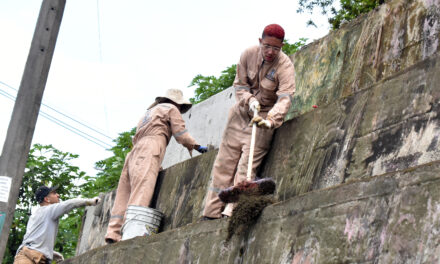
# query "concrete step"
(390, 218)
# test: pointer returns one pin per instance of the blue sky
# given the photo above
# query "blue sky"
(113, 58)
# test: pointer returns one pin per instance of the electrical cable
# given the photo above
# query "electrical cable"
(64, 125)
(56, 122)
(65, 115)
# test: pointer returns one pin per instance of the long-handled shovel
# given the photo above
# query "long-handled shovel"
(259, 187)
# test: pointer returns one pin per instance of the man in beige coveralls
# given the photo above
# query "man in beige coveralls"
(142, 164)
(265, 81)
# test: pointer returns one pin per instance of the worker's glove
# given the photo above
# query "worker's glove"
(94, 201)
(254, 105)
(57, 257)
(264, 123)
(255, 119)
(201, 149)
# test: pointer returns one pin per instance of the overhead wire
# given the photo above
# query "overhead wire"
(60, 123)
(63, 124)
(65, 115)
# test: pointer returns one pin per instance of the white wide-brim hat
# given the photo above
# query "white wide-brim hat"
(176, 96)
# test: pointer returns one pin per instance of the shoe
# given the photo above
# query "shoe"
(225, 216)
(207, 218)
(109, 241)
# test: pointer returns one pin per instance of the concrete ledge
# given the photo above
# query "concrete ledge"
(391, 218)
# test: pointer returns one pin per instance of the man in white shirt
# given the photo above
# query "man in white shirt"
(42, 228)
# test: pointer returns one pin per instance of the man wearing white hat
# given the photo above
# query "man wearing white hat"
(138, 178)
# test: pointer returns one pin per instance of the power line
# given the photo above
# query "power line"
(58, 122)
(65, 115)
(64, 125)
(7, 95)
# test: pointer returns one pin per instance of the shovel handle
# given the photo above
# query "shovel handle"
(251, 150)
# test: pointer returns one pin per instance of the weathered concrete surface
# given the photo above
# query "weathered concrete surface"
(392, 125)
(391, 218)
(94, 224)
(180, 192)
(372, 48)
(376, 88)
(181, 189)
(205, 122)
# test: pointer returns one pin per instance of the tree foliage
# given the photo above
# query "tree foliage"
(349, 9)
(49, 166)
(289, 49)
(110, 169)
(207, 86)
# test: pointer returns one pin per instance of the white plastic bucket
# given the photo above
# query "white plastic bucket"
(141, 221)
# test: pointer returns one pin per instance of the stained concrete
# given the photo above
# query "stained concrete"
(372, 48)
(391, 125)
(356, 177)
(390, 218)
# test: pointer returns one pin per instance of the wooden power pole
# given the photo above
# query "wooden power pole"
(24, 116)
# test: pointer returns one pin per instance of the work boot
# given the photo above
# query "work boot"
(109, 241)
(207, 218)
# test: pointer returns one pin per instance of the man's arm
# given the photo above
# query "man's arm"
(59, 209)
(242, 88)
(285, 93)
(179, 130)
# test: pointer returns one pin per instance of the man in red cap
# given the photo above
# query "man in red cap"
(162, 120)
(265, 81)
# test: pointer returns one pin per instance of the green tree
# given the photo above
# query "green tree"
(110, 169)
(289, 49)
(349, 9)
(49, 166)
(207, 86)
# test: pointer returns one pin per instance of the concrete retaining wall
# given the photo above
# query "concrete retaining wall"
(205, 122)
(391, 218)
(356, 177)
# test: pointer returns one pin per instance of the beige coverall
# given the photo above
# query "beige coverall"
(273, 85)
(142, 164)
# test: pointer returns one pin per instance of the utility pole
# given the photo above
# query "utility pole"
(24, 116)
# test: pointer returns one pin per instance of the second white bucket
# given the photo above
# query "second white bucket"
(141, 221)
